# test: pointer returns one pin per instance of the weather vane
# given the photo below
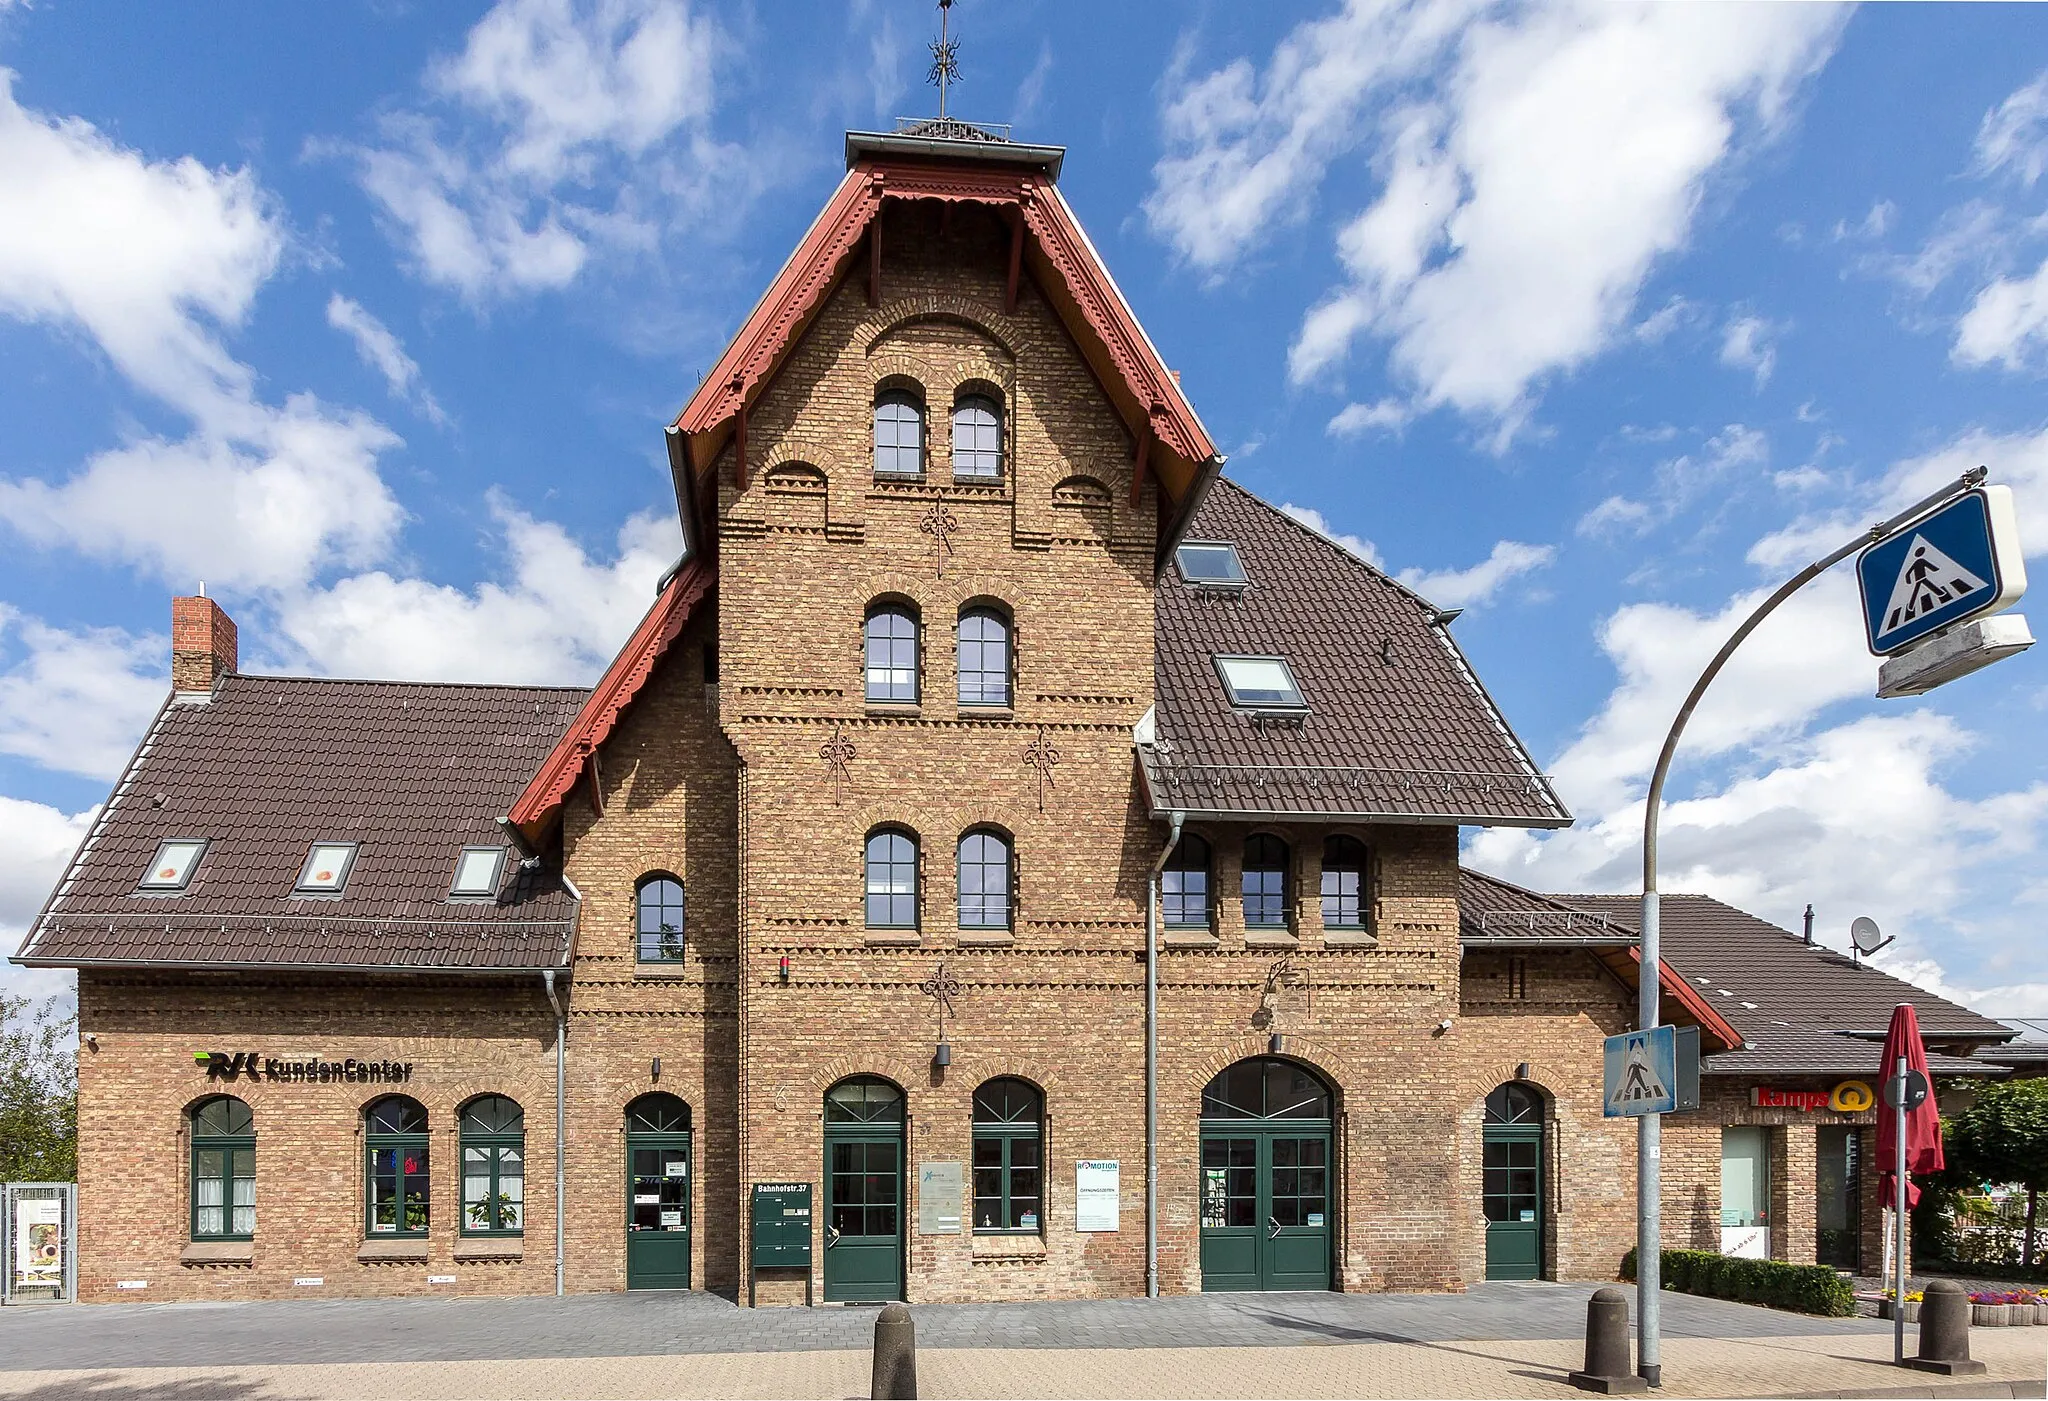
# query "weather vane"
(945, 58)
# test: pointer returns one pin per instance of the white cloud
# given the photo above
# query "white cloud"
(382, 352)
(1031, 91)
(1665, 319)
(559, 617)
(1462, 588)
(153, 261)
(1746, 344)
(40, 842)
(2014, 135)
(1527, 183)
(2006, 322)
(1679, 481)
(78, 701)
(1313, 519)
(1387, 416)
(550, 104)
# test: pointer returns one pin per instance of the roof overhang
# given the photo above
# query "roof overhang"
(1627, 963)
(165, 965)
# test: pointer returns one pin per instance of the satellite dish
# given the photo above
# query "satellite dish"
(1865, 934)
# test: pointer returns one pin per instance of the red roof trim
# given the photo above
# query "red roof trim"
(622, 682)
(802, 285)
(1687, 996)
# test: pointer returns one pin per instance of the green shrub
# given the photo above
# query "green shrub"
(1812, 1289)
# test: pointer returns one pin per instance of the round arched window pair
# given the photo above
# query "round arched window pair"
(899, 436)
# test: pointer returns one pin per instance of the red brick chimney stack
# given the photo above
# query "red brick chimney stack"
(203, 644)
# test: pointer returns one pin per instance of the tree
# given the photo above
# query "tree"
(2003, 1138)
(38, 1092)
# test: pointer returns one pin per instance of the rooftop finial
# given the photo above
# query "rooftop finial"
(945, 60)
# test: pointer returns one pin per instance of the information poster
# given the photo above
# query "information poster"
(939, 1188)
(39, 1244)
(1098, 1193)
(1216, 1198)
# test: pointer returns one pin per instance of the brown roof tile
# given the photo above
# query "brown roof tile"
(269, 765)
(1398, 727)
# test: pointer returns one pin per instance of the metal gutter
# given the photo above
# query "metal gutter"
(882, 143)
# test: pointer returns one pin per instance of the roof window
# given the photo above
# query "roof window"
(1260, 683)
(477, 871)
(327, 867)
(176, 859)
(1210, 564)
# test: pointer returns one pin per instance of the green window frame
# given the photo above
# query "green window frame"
(398, 1180)
(223, 1170)
(493, 1144)
(1009, 1159)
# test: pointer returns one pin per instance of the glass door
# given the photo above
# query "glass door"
(657, 1193)
(1511, 1182)
(863, 1192)
(1264, 1191)
(1839, 1191)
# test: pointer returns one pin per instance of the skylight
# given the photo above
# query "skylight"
(175, 861)
(1210, 562)
(327, 867)
(1260, 683)
(477, 871)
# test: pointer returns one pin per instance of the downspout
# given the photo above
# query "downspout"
(1152, 1056)
(547, 976)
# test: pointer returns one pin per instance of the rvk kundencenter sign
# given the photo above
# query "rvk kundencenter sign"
(1960, 562)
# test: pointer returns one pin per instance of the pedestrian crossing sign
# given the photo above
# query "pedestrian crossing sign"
(1641, 1073)
(1961, 561)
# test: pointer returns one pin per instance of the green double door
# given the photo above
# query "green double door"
(657, 1210)
(1265, 1206)
(1513, 1195)
(863, 1213)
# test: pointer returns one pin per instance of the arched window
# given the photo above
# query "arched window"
(659, 919)
(657, 1113)
(1266, 1088)
(1265, 882)
(892, 879)
(984, 881)
(493, 1167)
(1184, 884)
(864, 1100)
(889, 645)
(223, 1170)
(1344, 902)
(899, 434)
(398, 1180)
(984, 657)
(1007, 1164)
(1514, 1103)
(977, 437)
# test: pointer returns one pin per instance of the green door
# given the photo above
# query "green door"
(863, 1192)
(658, 1193)
(1512, 1183)
(1265, 1179)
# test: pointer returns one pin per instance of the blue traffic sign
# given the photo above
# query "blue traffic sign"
(1641, 1073)
(1961, 561)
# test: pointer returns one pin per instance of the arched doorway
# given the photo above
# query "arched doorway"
(1512, 1185)
(657, 1193)
(1266, 1219)
(863, 1191)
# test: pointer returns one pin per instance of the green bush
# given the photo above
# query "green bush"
(1812, 1289)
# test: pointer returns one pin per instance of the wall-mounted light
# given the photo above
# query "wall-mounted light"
(92, 1041)
(1522, 1071)
(1276, 1045)
(657, 1067)
(942, 1055)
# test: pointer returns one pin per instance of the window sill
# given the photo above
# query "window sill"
(892, 938)
(1270, 939)
(987, 938)
(1189, 939)
(512, 1248)
(1350, 939)
(218, 1252)
(906, 709)
(970, 711)
(673, 970)
(405, 1249)
(997, 1246)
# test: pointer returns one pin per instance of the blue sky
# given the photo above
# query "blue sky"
(1591, 319)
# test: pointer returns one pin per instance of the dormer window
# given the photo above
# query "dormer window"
(176, 860)
(1260, 683)
(1210, 564)
(327, 867)
(477, 871)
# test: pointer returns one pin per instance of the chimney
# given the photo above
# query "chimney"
(203, 645)
(1809, 924)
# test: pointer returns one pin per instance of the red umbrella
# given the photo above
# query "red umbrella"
(1923, 1125)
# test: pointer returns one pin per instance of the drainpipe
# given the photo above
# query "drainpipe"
(547, 977)
(1152, 1057)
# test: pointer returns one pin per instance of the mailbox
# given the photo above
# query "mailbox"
(782, 1224)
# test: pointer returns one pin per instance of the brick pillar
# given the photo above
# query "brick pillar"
(1795, 1185)
(203, 644)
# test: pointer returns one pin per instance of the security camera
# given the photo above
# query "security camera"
(1444, 1025)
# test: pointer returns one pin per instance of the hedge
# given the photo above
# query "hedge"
(1812, 1289)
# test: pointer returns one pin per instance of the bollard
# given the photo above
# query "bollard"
(895, 1375)
(1945, 1331)
(1607, 1366)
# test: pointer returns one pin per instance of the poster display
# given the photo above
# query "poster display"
(1098, 1193)
(939, 1194)
(39, 1245)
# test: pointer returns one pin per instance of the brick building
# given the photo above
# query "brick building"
(1003, 838)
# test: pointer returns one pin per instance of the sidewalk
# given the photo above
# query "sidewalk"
(1827, 1364)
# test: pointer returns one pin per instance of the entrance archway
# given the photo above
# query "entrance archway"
(1512, 1182)
(863, 1191)
(1265, 1178)
(657, 1193)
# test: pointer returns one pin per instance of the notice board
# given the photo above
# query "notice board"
(1098, 1192)
(939, 1188)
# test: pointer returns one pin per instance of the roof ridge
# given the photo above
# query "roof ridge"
(294, 677)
